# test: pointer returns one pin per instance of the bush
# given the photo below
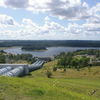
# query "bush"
(54, 68)
(64, 69)
(49, 74)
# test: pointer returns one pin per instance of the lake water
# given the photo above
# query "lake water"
(50, 52)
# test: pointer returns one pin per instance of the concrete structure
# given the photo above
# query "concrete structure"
(13, 70)
(4, 70)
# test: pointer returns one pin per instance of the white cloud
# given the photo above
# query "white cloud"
(96, 9)
(16, 3)
(94, 19)
(2, 3)
(47, 19)
(95, 12)
(69, 10)
(92, 24)
(51, 30)
(74, 28)
(7, 20)
(28, 22)
(64, 9)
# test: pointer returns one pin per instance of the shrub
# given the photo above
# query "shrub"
(48, 74)
(54, 68)
(64, 69)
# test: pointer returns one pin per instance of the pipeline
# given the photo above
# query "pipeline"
(5, 70)
(15, 72)
(35, 66)
(21, 70)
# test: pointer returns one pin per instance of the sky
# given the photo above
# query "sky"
(49, 19)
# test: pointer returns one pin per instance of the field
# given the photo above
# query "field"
(69, 85)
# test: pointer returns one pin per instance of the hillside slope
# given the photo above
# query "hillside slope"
(71, 85)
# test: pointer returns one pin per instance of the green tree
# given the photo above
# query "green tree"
(48, 74)
(2, 58)
(65, 60)
(80, 62)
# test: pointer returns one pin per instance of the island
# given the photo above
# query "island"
(34, 48)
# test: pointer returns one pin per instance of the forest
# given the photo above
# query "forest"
(49, 43)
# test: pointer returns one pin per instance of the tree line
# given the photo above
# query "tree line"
(69, 60)
(78, 59)
(9, 58)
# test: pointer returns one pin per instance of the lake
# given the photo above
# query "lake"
(50, 52)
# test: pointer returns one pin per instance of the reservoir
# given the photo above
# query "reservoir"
(50, 52)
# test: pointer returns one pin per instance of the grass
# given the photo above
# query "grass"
(69, 85)
(2, 48)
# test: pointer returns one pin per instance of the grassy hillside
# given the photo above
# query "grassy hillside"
(86, 73)
(69, 85)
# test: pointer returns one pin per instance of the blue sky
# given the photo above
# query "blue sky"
(50, 19)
